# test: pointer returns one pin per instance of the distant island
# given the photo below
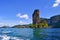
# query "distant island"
(53, 22)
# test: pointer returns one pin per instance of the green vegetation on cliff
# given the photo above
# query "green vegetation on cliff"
(42, 24)
(53, 22)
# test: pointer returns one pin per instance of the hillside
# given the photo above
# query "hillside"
(53, 22)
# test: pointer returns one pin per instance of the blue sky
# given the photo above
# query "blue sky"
(13, 12)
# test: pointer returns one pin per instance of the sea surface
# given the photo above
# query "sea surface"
(29, 34)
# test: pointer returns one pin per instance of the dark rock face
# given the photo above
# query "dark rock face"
(35, 16)
(51, 21)
(37, 21)
(56, 25)
(47, 20)
(55, 19)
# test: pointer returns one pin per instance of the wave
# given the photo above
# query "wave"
(6, 31)
(5, 37)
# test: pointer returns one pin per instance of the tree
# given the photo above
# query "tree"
(32, 25)
(43, 24)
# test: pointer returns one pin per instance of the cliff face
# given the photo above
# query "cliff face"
(56, 25)
(47, 20)
(53, 20)
(35, 16)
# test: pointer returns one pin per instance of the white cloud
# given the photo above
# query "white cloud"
(7, 24)
(57, 3)
(22, 23)
(3, 24)
(25, 16)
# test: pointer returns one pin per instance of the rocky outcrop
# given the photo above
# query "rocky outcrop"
(47, 20)
(54, 19)
(35, 16)
(56, 25)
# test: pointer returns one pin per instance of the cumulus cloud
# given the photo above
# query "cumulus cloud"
(25, 16)
(57, 3)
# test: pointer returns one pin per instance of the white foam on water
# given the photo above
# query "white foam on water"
(5, 37)
(15, 38)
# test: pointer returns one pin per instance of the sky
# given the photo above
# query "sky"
(19, 12)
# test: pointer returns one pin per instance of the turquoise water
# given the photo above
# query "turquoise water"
(29, 34)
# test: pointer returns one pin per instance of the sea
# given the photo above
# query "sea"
(29, 33)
